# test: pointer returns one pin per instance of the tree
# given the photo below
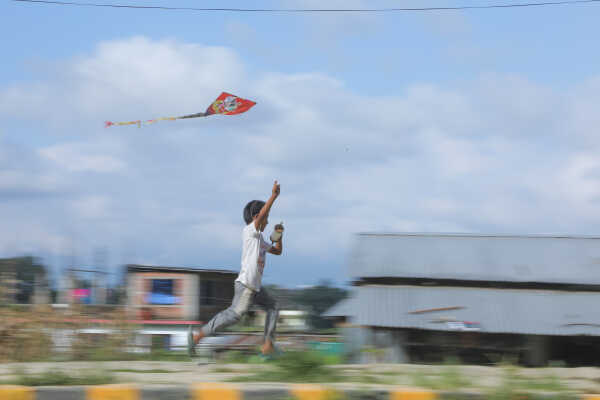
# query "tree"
(20, 276)
(317, 300)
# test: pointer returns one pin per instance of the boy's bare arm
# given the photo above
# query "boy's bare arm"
(278, 248)
(264, 212)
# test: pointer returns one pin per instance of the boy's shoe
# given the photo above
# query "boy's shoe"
(267, 348)
(191, 346)
(193, 339)
(275, 354)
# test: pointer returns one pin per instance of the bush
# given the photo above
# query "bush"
(24, 334)
(296, 366)
(22, 337)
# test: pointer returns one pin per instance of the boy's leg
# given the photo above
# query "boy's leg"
(268, 303)
(239, 306)
(242, 299)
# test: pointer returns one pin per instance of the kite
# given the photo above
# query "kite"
(226, 104)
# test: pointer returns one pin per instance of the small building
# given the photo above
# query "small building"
(424, 297)
(177, 293)
(23, 280)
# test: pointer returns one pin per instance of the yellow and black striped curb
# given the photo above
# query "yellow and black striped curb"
(217, 391)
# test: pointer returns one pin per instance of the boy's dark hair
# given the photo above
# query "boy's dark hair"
(252, 209)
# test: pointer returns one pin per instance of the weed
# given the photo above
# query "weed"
(449, 378)
(59, 378)
(296, 366)
(143, 371)
(515, 387)
(223, 370)
(234, 357)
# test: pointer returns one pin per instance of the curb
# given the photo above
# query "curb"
(219, 391)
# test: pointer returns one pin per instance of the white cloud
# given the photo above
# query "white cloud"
(579, 184)
(129, 79)
(92, 207)
(498, 153)
(73, 158)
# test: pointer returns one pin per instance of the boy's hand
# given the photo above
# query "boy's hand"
(261, 219)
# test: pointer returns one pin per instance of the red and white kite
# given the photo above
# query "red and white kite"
(226, 103)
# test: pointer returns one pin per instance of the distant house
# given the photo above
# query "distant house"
(422, 297)
(162, 301)
(23, 281)
(292, 316)
(177, 293)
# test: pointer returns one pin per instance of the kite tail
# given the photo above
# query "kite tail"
(152, 121)
(108, 124)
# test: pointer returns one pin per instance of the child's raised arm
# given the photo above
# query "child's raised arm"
(264, 212)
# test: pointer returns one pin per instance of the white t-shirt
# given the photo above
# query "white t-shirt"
(254, 254)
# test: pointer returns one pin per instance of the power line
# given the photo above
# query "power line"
(317, 10)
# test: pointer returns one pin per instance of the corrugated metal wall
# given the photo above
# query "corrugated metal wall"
(522, 311)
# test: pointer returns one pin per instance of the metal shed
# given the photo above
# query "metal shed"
(507, 258)
(528, 294)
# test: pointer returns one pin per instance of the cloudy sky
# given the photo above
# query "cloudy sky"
(474, 121)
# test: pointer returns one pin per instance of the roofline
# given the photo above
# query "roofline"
(473, 283)
(178, 269)
(477, 235)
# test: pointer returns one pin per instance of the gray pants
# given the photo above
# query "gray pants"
(242, 300)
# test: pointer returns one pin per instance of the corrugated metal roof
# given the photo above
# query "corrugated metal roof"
(478, 235)
(136, 267)
(342, 308)
(540, 312)
(545, 259)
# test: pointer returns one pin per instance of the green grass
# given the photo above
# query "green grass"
(223, 370)
(238, 357)
(514, 386)
(449, 378)
(295, 366)
(506, 393)
(144, 371)
(370, 379)
(162, 355)
(545, 383)
(389, 373)
(59, 378)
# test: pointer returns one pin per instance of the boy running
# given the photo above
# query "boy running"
(247, 286)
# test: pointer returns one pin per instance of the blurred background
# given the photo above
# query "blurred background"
(411, 298)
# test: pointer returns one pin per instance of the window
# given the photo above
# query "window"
(207, 293)
(162, 286)
(162, 292)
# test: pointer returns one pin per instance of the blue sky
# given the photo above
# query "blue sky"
(554, 44)
(471, 121)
